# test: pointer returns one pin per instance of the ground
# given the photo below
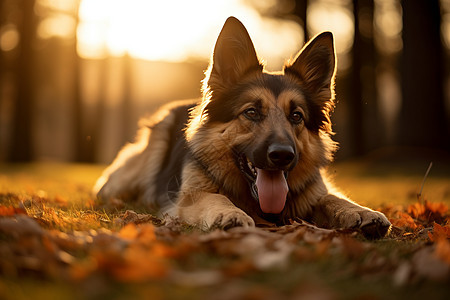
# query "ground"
(58, 242)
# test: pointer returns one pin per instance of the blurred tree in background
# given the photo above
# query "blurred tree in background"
(422, 120)
(392, 83)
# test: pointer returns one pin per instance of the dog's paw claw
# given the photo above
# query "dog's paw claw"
(233, 219)
(376, 229)
(372, 224)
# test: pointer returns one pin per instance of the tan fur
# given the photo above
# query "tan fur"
(214, 191)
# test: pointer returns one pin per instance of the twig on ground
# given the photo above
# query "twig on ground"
(419, 195)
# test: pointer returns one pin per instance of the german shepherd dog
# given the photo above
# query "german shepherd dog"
(251, 151)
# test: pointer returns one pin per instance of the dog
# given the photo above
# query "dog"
(252, 151)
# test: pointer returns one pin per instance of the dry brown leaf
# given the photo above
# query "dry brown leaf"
(443, 250)
(70, 242)
(239, 268)
(132, 217)
(20, 225)
(146, 233)
(197, 278)
(351, 247)
(439, 232)
(428, 211)
(129, 232)
(8, 211)
(140, 264)
(403, 220)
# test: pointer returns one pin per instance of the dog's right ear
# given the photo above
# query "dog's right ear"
(233, 56)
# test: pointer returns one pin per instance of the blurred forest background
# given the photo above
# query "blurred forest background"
(77, 75)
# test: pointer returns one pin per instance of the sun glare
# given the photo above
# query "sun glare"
(332, 16)
(176, 30)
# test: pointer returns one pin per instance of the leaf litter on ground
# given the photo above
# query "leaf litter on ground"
(42, 237)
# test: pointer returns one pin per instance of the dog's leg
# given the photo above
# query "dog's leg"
(335, 212)
(211, 210)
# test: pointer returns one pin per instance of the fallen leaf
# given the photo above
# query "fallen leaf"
(317, 291)
(239, 268)
(416, 210)
(439, 232)
(403, 220)
(163, 250)
(132, 217)
(146, 233)
(72, 242)
(20, 225)
(197, 278)
(437, 207)
(7, 211)
(140, 264)
(443, 250)
(428, 211)
(82, 269)
(352, 247)
(129, 232)
(277, 258)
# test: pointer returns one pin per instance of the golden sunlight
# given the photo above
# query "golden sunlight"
(333, 16)
(177, 30)
(9, 37)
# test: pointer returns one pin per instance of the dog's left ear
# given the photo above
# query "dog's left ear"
(315, 68)
(315, 64)
(234, 54)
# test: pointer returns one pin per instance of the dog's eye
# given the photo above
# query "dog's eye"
(296, 117)
(252, 114)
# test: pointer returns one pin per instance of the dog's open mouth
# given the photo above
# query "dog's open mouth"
(268, 187)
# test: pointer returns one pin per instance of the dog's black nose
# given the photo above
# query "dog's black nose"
(280, 155)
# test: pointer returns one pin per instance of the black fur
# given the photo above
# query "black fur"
(168, 181)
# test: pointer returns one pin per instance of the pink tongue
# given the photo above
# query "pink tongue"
(272, 190)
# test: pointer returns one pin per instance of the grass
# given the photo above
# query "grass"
(370, 184)
(59, 196)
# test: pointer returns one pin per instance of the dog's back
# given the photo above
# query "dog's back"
(154, 178)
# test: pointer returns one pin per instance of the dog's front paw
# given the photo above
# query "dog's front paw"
(231, 218)
(373, 224)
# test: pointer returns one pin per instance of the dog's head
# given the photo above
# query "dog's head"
(273, 127)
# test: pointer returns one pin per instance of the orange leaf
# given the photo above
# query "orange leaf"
(443, 250)
(404, 221)
(439, 232)
(7, 211)
(140, 264)
(428, 211)
(146, 233)
(163, 250)
(129, 232)
(416, 210)
(437, 207)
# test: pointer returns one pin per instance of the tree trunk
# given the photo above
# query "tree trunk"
(355, 120)
(21, 138)
(78, 136)
(301, 6)
(422, 120)
(127, 77)
(368, 128)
